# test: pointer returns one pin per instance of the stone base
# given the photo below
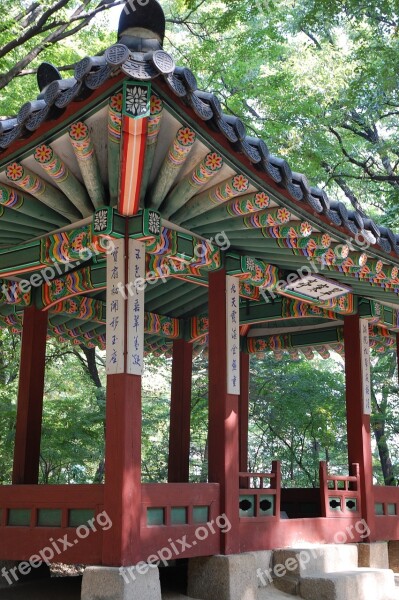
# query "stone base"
(223, 577)
(359, 584)
(374, 555)
(111, 583)
(393, 554)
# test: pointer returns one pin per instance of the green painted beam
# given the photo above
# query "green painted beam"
(174, 161)
(25, 204)
(192, 183)
(66, 181)
(52, 197)
(82, 145)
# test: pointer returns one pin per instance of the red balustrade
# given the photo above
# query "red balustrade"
(260, 494)
(340, 494)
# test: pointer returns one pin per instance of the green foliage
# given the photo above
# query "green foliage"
(297, 416)
(73, 420)
(317, 80)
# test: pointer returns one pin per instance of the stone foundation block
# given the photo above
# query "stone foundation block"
(219, 577)
(306, 562)
(393, 555)
(263, 563)
(374, 555)
(362, 584)
(107, 583)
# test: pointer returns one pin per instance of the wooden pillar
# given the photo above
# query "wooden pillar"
(180, 411)
(358, 423)
(244, 416)
(122, 492)
(223, 415)
(125, 341)
(30, 397)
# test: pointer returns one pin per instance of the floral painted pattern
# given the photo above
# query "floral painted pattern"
(240, 183)
(136, 100)
(78, 131)
(262, 200)
(186, 136)
(213, 161)
(116, 102)
(14, 171)
(306, 228)
(100, 220)
(155, 105)
(43, 153)
(154, 223)
(325, 240)
(283, 215)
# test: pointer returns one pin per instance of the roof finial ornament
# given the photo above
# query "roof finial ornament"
(142, 25)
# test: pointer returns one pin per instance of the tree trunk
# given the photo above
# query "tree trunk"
(383, 451)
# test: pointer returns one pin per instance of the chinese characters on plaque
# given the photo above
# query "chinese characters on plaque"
(233, 335)
(135, 308)
(115, 329)
(125, 305)
(365, 360)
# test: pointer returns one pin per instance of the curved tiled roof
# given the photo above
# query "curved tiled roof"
(92, 72)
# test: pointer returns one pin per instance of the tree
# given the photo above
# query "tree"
(297, 416)
(61, 32)
(318, 81)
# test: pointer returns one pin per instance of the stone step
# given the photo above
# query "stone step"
(271, 593)
(176, 596)
(310, 561)
(362, 584)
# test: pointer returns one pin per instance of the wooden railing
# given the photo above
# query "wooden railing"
(257, 500)
(173, 511)
(32, 515)
(386, 499)
(340, 494)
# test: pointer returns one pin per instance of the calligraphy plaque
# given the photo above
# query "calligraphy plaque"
(365, 362)
(115, 328)
(233, 335)
(135, 308)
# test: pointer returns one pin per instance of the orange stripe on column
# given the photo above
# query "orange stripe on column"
(133, 154)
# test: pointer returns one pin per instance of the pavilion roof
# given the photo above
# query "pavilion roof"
(204, 179)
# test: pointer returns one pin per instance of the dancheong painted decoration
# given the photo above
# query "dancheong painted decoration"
(137, 217)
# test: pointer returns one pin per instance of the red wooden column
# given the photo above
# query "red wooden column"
(122, 491)
(180, 410)
(244, 415)
(358, 423)
(30, 397)
(125, 340)
(223, 415)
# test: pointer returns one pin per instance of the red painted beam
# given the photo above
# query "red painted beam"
(358, 424)
(180, 411)
(122, 492)
(30, 397)
(223, 415)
